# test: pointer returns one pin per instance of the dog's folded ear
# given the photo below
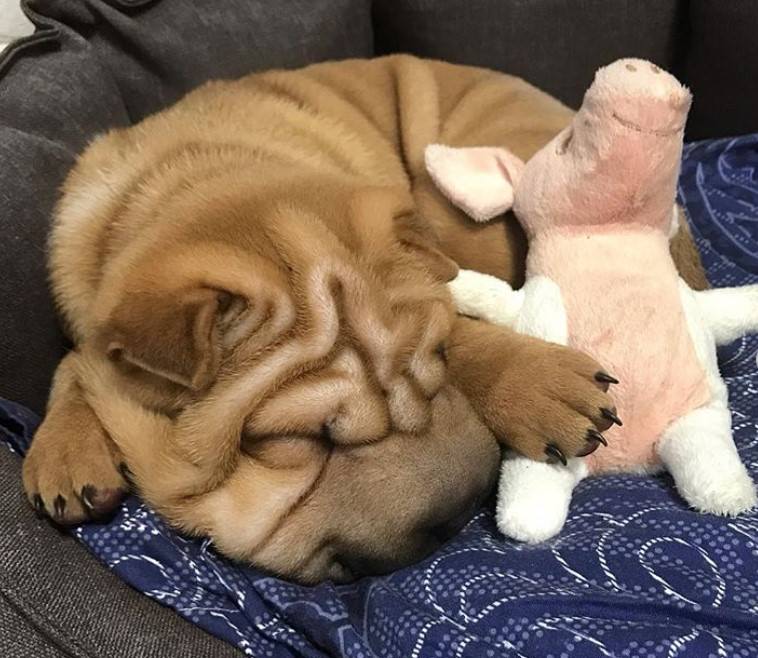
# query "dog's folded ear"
(173, 336)
(416, 235)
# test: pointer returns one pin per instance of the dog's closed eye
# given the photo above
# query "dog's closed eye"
(441, 352)
(283, 452)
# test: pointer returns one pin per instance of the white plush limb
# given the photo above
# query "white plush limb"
(729, 312)
(533, 498)
(543, 314)
(699, 452)
(698, 449)
(487, 297)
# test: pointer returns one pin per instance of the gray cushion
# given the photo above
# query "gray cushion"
(722, 67)
(558, 44)
(157, 51)
(555, 44)
(54, 96)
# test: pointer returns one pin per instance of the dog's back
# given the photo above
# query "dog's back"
(363, 122)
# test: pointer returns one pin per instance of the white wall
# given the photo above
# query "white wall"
(13, 23)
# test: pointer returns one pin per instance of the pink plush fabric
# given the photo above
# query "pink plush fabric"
(618, 161)
(480, 180)
(620, 289)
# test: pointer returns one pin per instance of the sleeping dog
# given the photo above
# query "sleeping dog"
(254, 280)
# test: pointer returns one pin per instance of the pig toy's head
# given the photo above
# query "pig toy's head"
(615, 166)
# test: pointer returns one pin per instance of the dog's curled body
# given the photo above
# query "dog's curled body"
(254, 280)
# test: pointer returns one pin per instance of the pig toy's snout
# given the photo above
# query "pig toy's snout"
(640, 96)
(616, 165)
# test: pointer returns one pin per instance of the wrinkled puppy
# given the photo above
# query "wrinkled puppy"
(255, 283)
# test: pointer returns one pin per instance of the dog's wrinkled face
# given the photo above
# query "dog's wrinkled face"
(290, 371)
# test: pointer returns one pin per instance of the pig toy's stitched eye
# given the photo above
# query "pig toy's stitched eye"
(563, 145)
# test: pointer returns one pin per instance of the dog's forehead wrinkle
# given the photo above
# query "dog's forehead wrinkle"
(363, 345)
(332, 327)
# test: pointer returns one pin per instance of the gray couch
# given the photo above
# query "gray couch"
(93, 64)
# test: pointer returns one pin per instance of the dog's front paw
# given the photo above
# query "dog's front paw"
(73, 472)
(551, 403)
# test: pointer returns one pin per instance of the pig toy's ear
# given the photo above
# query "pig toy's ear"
(480, 180)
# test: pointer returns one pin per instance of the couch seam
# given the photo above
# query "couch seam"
(45, 32)
(133, 3)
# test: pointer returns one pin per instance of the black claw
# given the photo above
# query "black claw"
(606, 378)
(595, 435)
(88, 492)
(610, 415)
(555, 452)
(589, 448)
(59, 505)
(39, 505)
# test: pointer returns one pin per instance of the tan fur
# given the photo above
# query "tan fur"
(254, 279)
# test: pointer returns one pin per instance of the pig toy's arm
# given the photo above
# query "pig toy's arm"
(486, 297)
(536, 310)
(730, 313)
(482, 181)
(533, 498)
(543, 314)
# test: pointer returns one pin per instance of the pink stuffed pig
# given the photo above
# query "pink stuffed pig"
(597, 204)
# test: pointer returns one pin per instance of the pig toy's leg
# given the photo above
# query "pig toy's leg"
(533, 498)
(699, 452)
(698, 449)
(730, 312)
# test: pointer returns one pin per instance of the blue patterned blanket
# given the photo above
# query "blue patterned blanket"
(634, 573)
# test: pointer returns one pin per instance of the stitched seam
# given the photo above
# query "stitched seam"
(660, 133)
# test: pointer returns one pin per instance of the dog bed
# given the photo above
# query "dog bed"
(634, 573)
